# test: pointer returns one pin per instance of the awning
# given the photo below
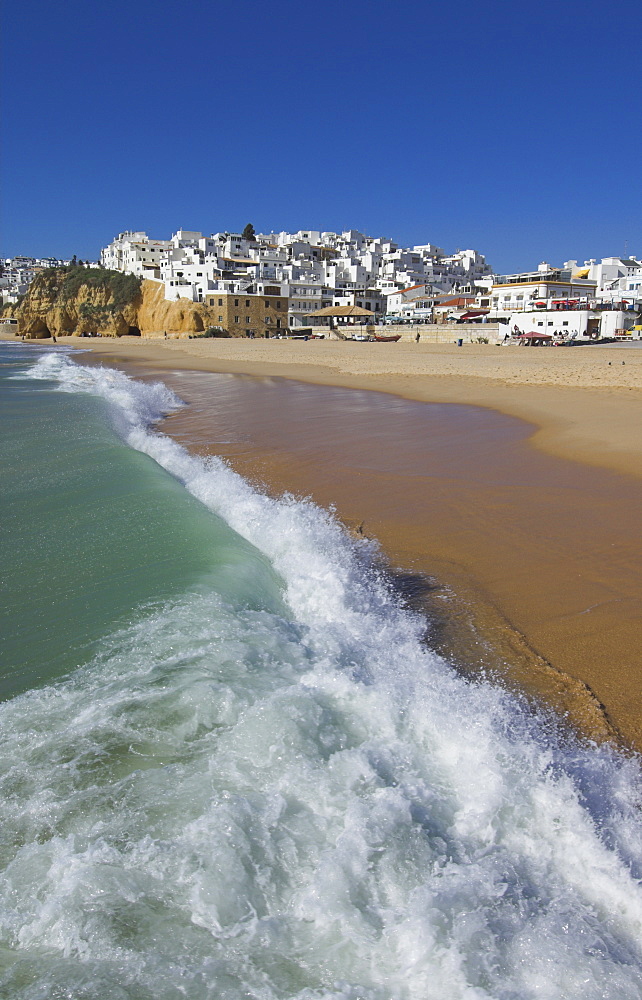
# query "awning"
(475, 312)
(341, 311)
(534, 336)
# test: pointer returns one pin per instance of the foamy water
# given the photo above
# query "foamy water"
(285, 794)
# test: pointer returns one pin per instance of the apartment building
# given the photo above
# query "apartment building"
(416, 302)
(618, 279)
(253, 312)
(134, 253)
(535, 289)
(304, 299)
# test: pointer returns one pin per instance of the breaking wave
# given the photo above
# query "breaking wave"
(288, 795)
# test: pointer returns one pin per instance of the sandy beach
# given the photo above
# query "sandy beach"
(586, 402)
(533, 525)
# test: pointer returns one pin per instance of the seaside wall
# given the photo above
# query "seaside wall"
(447, 333)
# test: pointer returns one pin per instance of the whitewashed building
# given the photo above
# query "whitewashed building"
(536, 289)
(134, 253)
(414, 303)
(304, 299)
(618, 279)
(314, 268)
(573, 324)
(18, 273)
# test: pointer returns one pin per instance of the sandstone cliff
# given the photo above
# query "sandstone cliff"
(156, 315)
(72, 301)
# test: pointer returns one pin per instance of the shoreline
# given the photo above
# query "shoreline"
(601, 707)
(585, 402)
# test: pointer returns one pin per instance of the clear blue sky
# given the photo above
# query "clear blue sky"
(513, 128)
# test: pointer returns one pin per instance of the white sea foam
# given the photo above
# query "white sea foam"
(225, 803)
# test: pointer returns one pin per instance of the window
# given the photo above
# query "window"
(267, 304)
(220, 319)
(247, 319)
(278, 305)
(236, 319)
(236, 302)
(220, 302)
(247, 303)
(267, 319)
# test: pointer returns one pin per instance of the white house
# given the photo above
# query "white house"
(572, 324)
(415, 302)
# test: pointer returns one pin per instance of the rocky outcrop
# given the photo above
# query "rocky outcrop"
(182, 318)
(74, 301)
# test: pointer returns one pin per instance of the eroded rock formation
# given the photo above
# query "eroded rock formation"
(75, 301)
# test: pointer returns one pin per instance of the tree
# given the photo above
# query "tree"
(73, 262)
(248, 232)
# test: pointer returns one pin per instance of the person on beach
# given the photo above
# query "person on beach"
(417, 335)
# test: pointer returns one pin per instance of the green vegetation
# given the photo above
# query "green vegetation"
(66, 282)
(97, 314)
(248, 233)
(124, 287)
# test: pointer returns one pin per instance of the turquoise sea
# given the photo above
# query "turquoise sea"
(230, 765)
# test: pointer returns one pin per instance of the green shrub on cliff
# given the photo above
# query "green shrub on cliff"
(98, 314)
(66, 282)
(124, 288)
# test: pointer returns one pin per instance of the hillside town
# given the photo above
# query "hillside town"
(279, 284)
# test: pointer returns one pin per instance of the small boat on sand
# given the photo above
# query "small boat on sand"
(393, 338)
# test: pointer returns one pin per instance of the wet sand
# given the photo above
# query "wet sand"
(586, 402)
(527, 563)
